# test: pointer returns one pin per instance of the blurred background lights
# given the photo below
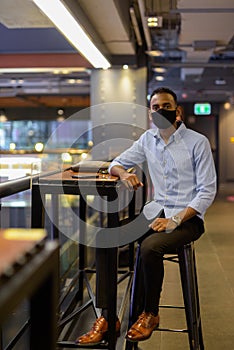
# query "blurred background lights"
(227, 105)
(12, 146)
(39, 146)
(60, 119)
(3, 117)
(66, 157)
(60, 111)
(159, 70)
(125, 66)
(155, 21)
(84, 155)
(159, 78)
(90, 143)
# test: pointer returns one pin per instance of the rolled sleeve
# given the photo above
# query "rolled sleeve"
(131, 157)
(206, 182)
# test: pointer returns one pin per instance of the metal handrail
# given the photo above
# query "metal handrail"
(11, 187)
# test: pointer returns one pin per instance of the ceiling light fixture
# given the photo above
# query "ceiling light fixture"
(58, 13)
(159, 78)
(135, 26)
(155, 21)
(220, 81)
(142, 10)
(159, 69)
(154, 53)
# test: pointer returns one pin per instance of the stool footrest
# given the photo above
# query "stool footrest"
(171, 330)
(171, 307)
(73, 345)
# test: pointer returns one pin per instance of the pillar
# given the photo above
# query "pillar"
(118, 110)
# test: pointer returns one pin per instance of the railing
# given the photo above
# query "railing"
(11, 187)
(19, 321)
(69, 257)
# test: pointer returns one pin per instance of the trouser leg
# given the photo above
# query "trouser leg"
(153, 248)
(101, 277)
(127, 233)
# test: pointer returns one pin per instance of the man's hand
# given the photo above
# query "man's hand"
(131, 181)
(162, 224)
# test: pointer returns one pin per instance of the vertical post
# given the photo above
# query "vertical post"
(187, 270)
(37, 211)
(1, 344)
(82, 247)
(131, 214)
(55, 216)
(43, 310)
(113, 221)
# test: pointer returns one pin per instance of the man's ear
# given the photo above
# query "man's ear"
(179, 113)
(149, 114)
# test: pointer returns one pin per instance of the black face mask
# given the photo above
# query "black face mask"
(164, 118)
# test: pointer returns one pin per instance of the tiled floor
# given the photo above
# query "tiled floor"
(215, 268)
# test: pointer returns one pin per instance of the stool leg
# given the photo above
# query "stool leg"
(136, 298)
(191, 299)
(197, 301)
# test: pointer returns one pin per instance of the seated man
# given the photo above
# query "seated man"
(183, 175)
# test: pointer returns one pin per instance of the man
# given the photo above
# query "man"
(183, 175)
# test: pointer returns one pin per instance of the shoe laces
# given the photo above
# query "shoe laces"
(146, 317)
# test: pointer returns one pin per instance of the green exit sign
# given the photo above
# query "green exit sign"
(202, 108)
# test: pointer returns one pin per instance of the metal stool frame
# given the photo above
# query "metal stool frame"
(185, 257)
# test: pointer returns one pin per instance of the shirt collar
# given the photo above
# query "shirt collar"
(177, 135)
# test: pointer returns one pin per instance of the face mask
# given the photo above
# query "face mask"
(163, 118)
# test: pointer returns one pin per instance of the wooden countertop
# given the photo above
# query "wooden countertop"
(67, 177)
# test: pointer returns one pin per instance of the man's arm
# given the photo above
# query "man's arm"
(163, 224)
(130, 180)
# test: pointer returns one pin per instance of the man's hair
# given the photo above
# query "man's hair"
(164, 90)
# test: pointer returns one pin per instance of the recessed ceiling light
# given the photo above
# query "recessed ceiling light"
(159, 78)
(154, 53)
(159, 70)
(220, 81)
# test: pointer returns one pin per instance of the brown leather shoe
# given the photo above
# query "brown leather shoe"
(143, 327)
(98, 332)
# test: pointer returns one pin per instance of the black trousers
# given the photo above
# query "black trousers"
(153, 247)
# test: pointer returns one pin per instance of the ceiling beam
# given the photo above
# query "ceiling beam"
(202, 10)
(43, 60)
(222, 64)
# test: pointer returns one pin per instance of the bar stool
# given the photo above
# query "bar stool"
(185, 257)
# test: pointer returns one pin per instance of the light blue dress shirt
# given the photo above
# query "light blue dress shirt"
(182, 171)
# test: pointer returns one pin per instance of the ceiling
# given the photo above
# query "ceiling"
(194, 46)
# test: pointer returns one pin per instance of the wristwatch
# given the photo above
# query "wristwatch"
(176, 219)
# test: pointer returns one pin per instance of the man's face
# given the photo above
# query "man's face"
(163, 111)
(163, 100)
